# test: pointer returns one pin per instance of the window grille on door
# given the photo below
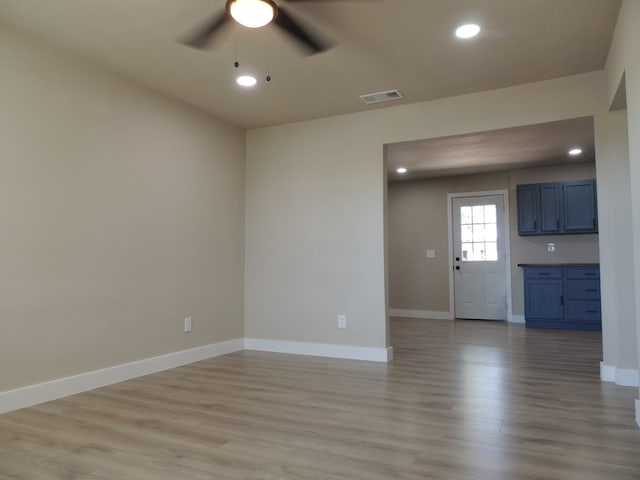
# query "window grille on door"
(479, 233)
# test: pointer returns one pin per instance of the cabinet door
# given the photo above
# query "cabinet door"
(580, 212)
(528, 199)
(543, 299)
(550, 206)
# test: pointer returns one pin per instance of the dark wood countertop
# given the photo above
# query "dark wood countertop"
(558, 264)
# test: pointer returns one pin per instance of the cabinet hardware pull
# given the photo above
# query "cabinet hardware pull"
(543, 273)
(592, 311)
(590, 290)
(561, 299)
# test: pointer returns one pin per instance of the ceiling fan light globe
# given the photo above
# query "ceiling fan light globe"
(252, 13)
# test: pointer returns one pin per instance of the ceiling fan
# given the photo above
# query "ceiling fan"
(256, 14)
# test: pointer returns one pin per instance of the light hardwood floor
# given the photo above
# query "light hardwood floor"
(462, 400)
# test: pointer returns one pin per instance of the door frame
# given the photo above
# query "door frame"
(507, 244)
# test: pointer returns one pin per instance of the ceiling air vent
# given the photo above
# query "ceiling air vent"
(381, 97)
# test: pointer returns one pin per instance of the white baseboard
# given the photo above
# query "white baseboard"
(517, 319)
(349, 352)
(62, 387)
(625, 377)
(426, 314)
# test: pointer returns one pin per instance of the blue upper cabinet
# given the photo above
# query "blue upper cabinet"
(580, 206)
(550, 207)
(557, 208)
(528, 208)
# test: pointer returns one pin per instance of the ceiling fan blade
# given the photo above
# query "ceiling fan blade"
(205, 33)
(310, 42)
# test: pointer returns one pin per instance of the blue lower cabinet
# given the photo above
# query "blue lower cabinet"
(546, 299)
(562, 297)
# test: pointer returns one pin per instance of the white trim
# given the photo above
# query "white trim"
(625, 377)
(516, 318)
(62, 387)
(452, 306)
(638, 412)
(350, 352)
(607, 373)
(507, 242)
(425, 314)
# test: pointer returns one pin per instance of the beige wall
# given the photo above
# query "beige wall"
(418, 221)
(623, 59)
(315, 205)
(121, 213)
(616, 242)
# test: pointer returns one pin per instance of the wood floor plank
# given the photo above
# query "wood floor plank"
(463, 400)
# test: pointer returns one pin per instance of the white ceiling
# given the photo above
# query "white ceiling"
(380, 45)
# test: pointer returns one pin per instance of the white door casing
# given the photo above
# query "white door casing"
(479, 257)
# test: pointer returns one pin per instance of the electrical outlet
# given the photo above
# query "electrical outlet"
(187, 324)
(342, 321)
(551, 247)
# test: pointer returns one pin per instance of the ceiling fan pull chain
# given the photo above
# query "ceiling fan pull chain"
(268, 78)
(236, 63)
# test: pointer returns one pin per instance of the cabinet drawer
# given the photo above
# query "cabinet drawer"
(581, 289)
(583, 272)
(542, 272)
(583, 311)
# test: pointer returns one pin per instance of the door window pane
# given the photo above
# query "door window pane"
(491, 232)
(478, 214)
(479, 233)
(467, 233)
(466, 217)
(478, 252)
(490, 214)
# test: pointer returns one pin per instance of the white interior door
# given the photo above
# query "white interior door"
(479, 257)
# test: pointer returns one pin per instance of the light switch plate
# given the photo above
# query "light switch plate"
(431, 253)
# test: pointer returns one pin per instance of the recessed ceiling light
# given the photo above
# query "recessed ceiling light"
(468, 31)
(401, 170)
(246, 81)
(575, 152)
